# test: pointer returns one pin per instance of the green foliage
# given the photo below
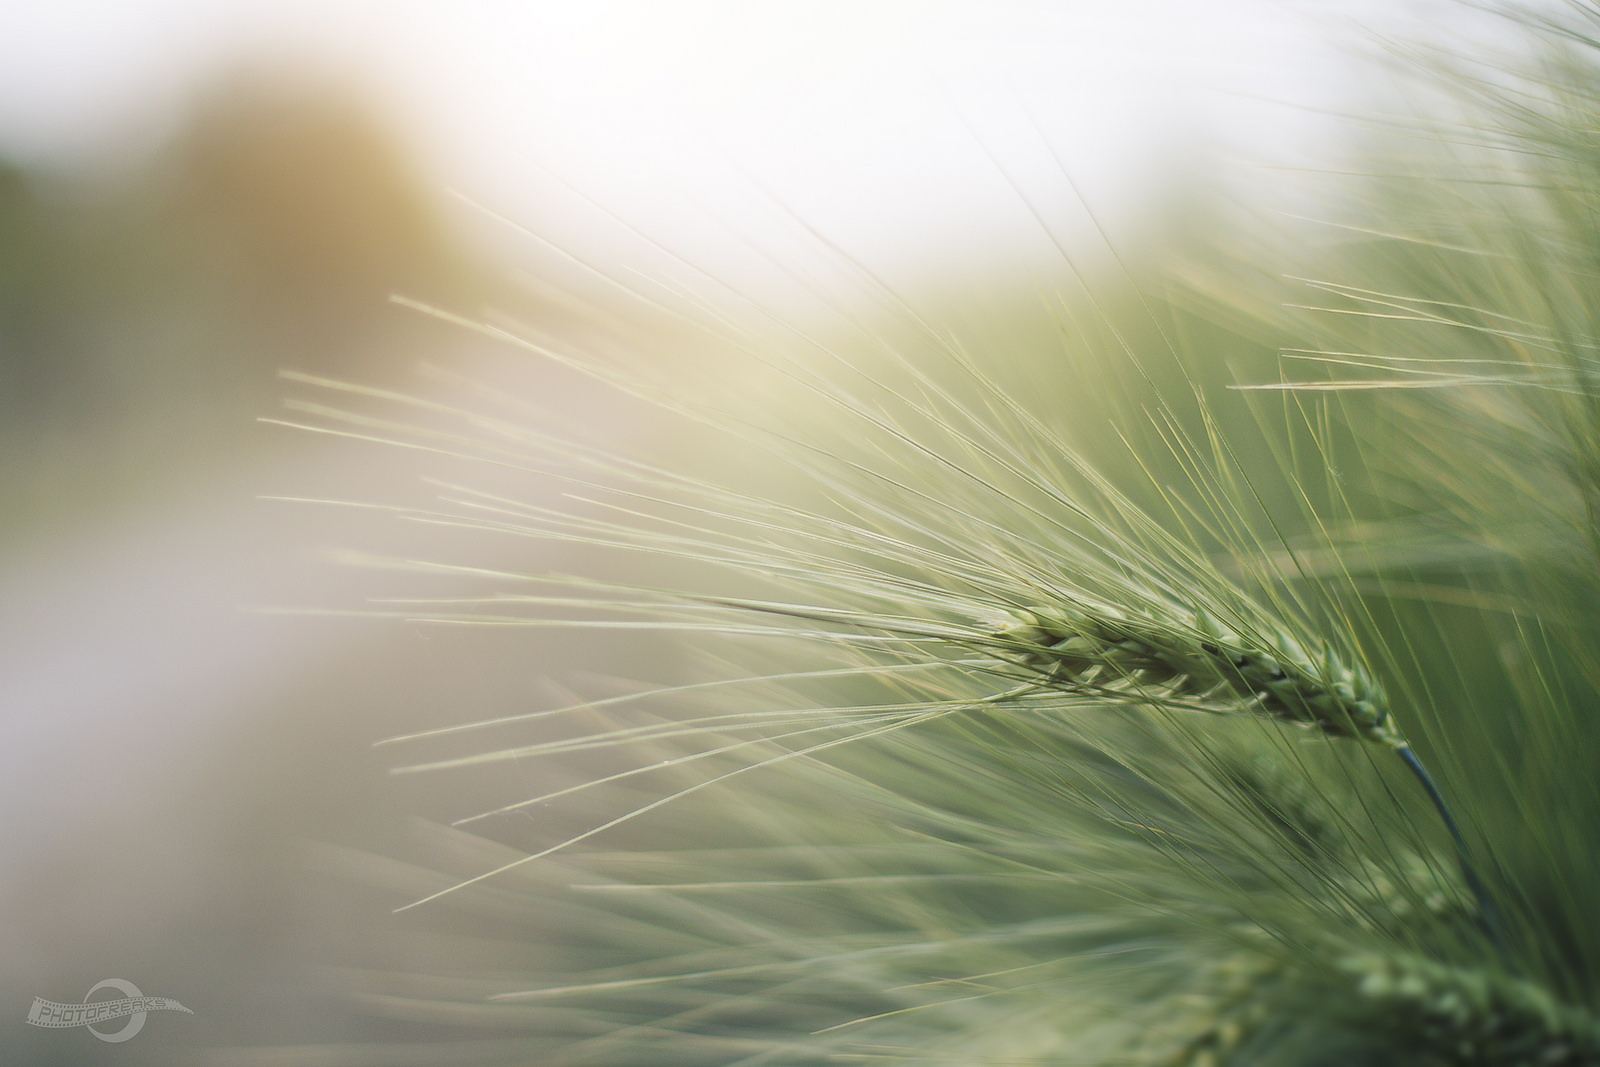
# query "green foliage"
(1006, 744)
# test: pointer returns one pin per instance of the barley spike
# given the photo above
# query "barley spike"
(1191, 657)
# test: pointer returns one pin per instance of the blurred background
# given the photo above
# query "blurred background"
(195, 196)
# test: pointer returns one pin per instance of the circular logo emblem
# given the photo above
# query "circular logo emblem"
(135, 1021)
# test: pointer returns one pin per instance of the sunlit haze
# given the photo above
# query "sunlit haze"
(898, 129)
(206, 207)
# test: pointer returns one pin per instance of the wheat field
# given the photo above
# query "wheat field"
(1191, 661)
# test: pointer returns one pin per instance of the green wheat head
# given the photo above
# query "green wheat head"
(978, 739)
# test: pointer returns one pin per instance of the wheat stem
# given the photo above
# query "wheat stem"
(1488, 913)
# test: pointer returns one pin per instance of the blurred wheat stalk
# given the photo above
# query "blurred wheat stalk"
(999, 752)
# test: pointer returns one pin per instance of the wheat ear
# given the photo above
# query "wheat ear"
(1189, 658)
(1477, 1016)
(1234, 1012)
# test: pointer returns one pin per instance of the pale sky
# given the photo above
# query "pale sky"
(897, 127)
